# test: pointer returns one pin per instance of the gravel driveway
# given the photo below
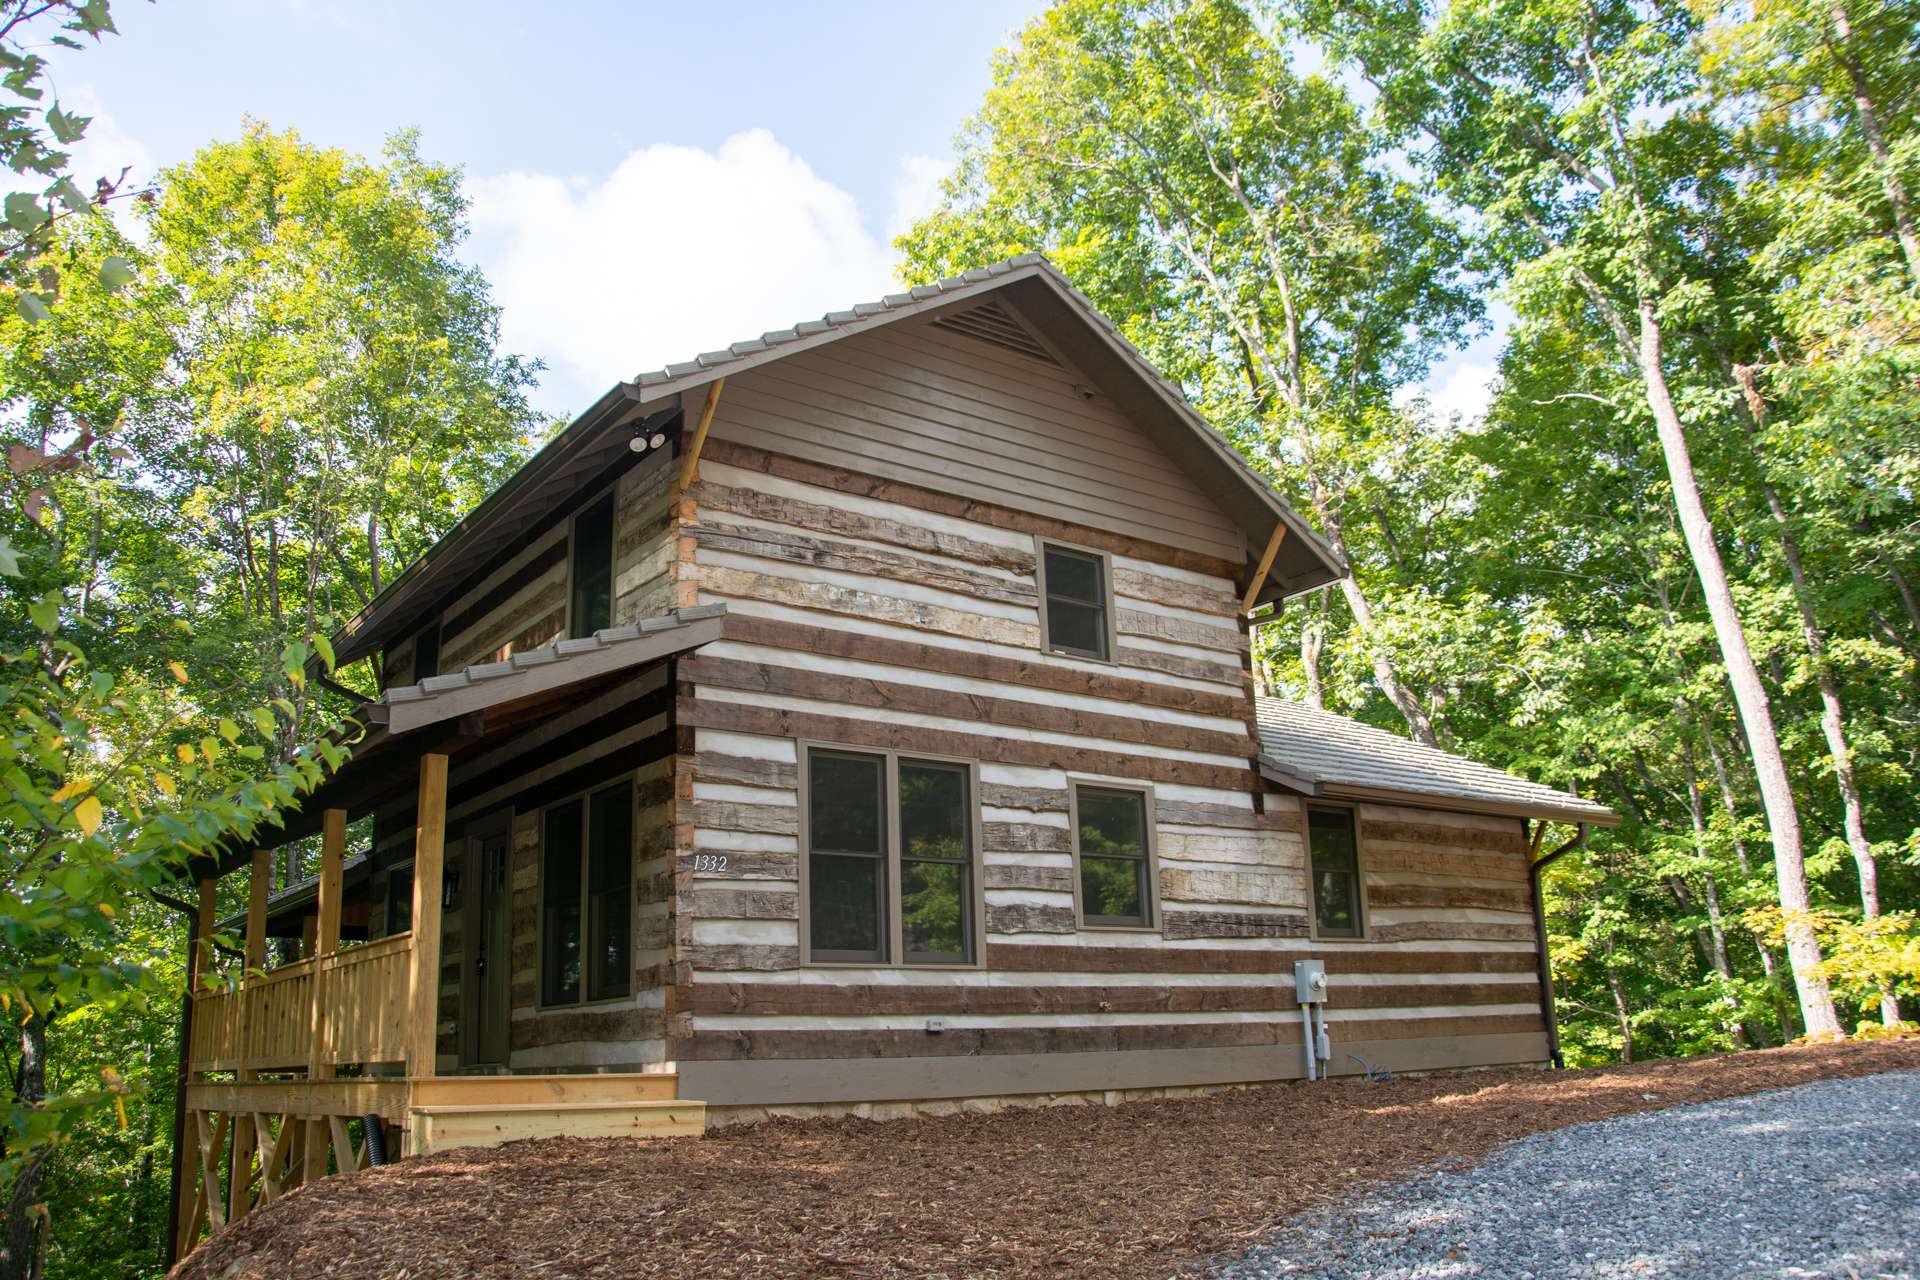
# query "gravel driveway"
(1820, 1180)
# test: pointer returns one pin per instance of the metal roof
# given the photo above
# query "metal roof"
(551, 666)
(1320, 753)
(544, 481)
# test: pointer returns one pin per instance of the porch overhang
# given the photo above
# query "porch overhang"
(478, 707)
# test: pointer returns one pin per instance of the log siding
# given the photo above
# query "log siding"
(872, 609)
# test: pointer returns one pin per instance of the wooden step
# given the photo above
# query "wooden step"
(468, 1091)
(441, 1128)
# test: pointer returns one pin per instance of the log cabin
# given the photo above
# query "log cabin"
(861, 718)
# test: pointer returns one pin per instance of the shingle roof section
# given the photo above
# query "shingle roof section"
(1335, 752)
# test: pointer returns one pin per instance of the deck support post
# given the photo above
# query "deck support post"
(240, 1168)
(326, 941)
(429, 849)
(183, 1219)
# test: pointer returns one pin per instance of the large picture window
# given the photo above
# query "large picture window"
(1337, 908)
(586, 908)
(1073, 608)
(889, 859)
(1113, 850)
(591, 608)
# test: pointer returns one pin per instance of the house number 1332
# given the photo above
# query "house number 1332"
(709, 862)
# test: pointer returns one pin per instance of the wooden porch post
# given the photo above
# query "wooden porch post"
(326, 940)
(183, 1218)
(429, 847)
(240, 1168)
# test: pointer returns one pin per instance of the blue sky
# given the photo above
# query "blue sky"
(650, 180)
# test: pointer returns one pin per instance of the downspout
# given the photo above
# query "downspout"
(1534, 869)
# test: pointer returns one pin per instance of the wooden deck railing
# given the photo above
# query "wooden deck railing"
(268, 1024)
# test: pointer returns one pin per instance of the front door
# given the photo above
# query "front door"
(489, 970)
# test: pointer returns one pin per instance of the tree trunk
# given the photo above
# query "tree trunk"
(1833, 719)
(1384, 673)
(1620, 1010)
(1750, 695)
(1869, 113)
(1730, 802)
(20, 1258)
(1313, 638)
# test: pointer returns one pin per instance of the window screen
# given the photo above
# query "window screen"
(936, 862)
(609, 881)
(1336, 873)
(890, 859)
(593, 569)
(560, 904)
(586, 898)
(847, 856)
(1111, 841)
(1076, 603)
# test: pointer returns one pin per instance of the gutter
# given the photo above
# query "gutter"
(1534, 869)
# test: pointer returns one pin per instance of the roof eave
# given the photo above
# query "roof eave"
(1598, 816)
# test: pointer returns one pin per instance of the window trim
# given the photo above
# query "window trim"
(541, 1003)
(1363, 921)
(1107, 610)
(894, 953)
(1152, 922)
(608, 493)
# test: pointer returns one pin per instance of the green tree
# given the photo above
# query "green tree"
(1235, 214)
(1575, 135)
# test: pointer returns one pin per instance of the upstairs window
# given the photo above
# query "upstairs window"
(426, 653)
(1112, 843)
(1074, 612)
(1336, 873)
(591, 607)
(889, 858)
(586, 913)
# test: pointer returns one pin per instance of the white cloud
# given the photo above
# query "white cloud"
(679, 250)
(1462, 387)
(106, 148)
(916, 191)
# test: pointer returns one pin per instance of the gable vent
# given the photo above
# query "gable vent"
(991, 322)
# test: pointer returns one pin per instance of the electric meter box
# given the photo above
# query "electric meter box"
(1310, 981)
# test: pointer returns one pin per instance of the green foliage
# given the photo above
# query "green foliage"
(224, 436)
(34, 137)
(1522, 578)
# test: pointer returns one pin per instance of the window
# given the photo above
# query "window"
(592, 603)
(1073, 612)
(890, 862)
(1336, 873)
(1112, 843)
(399, 900)
(586, 914)
(426, 653)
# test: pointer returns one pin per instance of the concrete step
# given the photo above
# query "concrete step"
(451, 1091)
(442, 1128)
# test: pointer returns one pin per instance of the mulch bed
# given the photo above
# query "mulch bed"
(1140, 1190)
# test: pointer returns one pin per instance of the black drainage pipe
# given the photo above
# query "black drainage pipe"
(376, 1139)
